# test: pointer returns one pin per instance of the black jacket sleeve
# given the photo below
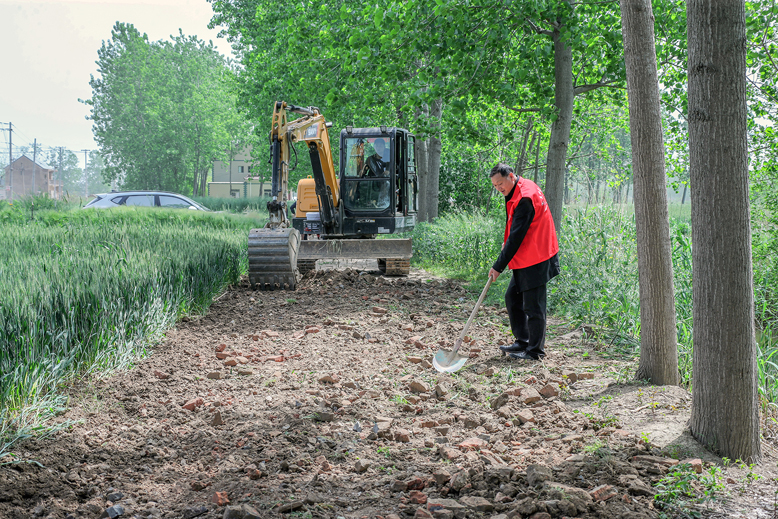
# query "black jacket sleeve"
(522, 218)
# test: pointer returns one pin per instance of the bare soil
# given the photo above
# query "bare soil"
(323, 403)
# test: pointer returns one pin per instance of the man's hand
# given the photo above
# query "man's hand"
(493, 275)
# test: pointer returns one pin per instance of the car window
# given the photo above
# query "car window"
(117, 200)
(173, 202)
(140, 200)
(94, 201)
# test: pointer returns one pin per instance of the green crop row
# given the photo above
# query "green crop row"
(90, 290)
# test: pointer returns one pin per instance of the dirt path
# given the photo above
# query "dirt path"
(322, 403)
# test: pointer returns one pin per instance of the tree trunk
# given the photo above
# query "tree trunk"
(434, 149)
(560, 128)
(521, 160)
(725, 403)
(537, 156)
(421, 169)
(658, 347)
(683, 198)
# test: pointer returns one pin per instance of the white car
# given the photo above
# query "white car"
(145, 199)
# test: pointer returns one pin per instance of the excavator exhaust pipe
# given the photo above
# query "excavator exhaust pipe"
(273, 258)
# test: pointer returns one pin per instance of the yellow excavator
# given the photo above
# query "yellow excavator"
(336, 216)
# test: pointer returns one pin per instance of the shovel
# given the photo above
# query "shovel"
(451, 361)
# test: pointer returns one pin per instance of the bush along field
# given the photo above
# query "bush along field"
(90, 290)
(599, 280)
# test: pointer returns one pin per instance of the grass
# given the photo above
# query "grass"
(89, 291)
(599, 280)
(235, 205)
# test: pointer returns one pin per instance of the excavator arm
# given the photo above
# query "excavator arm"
(273, 250)
(312, 130)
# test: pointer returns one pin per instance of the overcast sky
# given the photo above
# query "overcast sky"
(48, 49)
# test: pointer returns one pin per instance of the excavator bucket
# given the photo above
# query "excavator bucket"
(273, 258)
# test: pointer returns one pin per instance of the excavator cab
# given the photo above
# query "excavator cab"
(377, 181)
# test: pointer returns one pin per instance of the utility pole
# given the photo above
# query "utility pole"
(10, 163)
(86, 179)
(34, 164)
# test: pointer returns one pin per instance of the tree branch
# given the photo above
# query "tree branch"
(594, 86)
(538, 29)
(521, 110)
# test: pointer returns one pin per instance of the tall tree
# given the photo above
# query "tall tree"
(658, 350)
(160, 110)
(725, 404)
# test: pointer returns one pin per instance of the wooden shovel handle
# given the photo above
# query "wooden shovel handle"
(472, 316)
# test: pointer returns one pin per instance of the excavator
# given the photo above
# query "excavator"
(337, 216)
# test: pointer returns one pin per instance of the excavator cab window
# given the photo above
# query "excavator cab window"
(367, 174)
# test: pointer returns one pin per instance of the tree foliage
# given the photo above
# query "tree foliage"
(162, 111)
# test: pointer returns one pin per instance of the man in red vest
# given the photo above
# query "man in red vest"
(531, 250)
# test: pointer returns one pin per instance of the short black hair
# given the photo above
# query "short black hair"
(501, 169)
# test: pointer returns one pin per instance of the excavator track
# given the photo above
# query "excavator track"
(273, 258)
(394, 267)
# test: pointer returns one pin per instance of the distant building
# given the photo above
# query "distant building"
(237, 178)
(30, 178)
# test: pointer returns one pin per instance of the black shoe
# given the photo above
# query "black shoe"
(516, 347)
(522, 355)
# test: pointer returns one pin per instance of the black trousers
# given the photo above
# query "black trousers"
(527, 312)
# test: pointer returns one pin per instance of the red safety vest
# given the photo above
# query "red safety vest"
(540, 242)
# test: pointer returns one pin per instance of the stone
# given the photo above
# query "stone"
(459, 480)
(441, 476)
(585, 376)
(114, 496)
(362, 465)
(696, 464)
(440, 390)
(449, 453)
(479, 504)
(245, 372)
(415, 360)
(312, 329)
(422, 514)
(399, 486)
(113, 512)
(530, 395)
(324, 416)
(537, 474)
(416, 484)
(402, 436)
(230, 361)
(329, 379)
(603, 492)
(570, 376)
(665, 462)
(215, 375)
(217, 418)
(471, 422)
(193, 403)
(549, 390)
(220, 499)
(379, 310)
(241, 359)
(290, 507)
(160, 375)
(500, 401)
(524, 416)
(194, 511)
(639, 488)
(417, 497)
(578, 497)
(426, 364)
(472, 444)
(221, 347)
(447, 504)
(442, 430)
(417, 386)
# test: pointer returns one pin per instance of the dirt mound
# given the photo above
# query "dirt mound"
(322, 403)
